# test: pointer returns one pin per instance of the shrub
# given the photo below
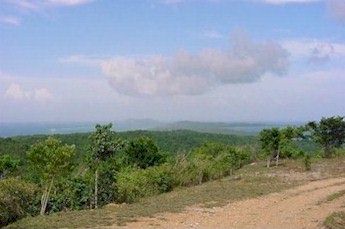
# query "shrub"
(142, 152)
(8, 164)
(208, 162)
(134, 183)
(17, 199)
(72, 193)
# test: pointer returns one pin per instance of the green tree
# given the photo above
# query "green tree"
(270, 139)
(143, 153)
(329, 133)
(274, 141)
(50, 160)
(103, 146)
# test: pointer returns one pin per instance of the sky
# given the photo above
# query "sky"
(199, 60)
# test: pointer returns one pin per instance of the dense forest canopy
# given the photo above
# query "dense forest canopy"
(168, 141)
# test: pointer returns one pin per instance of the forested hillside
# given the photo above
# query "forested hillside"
(167, 141)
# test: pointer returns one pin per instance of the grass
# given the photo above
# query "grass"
(335, 221)
(335, 195)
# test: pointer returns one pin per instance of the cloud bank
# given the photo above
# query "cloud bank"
(190, 74)
(16, 92)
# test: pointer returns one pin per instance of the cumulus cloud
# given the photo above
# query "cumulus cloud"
(189, 74)
(16, 92)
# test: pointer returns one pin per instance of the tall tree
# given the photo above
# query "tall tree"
(103, 146)
(329, 133)
(274, 139)
(50, 160)
(270, 139)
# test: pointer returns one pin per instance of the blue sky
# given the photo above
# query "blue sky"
(205, 60)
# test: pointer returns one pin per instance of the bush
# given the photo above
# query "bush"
(72, 194)
(17, 199)
(134, 183)
(8, 164)
(142, 152)
(208, 162)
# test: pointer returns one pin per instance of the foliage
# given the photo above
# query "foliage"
(142, 152)
(277, 143)
(8, 164)
(208, 162)
(329, 133)
(270, 139)
(49, 160)
(134, 183)
(72, 194)
(17, 199)
(167, 141)
(103, 146)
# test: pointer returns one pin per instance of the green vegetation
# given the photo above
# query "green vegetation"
(335, 195)
(17, 199)
(279, 142)
(167, 141)
(8, 165)
(329, 133)
(49, 160)
(335, 221)
(85, 171)
(247, 184)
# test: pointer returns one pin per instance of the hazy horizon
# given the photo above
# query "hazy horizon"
(171, 60)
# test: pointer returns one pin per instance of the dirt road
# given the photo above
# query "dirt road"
(302, 207)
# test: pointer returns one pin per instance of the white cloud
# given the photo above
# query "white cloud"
(316, 51)
(190, 74)
(42, 95)
(16, 92)
(10, 20)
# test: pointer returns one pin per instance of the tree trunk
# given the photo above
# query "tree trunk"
(96, 188)
(268, 161)
(45, 197)
(277, 158)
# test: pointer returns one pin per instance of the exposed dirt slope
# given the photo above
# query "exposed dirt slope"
(302, 207)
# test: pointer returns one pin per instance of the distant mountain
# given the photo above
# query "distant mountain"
(15, 129)
(237, 128)
(137, 124)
